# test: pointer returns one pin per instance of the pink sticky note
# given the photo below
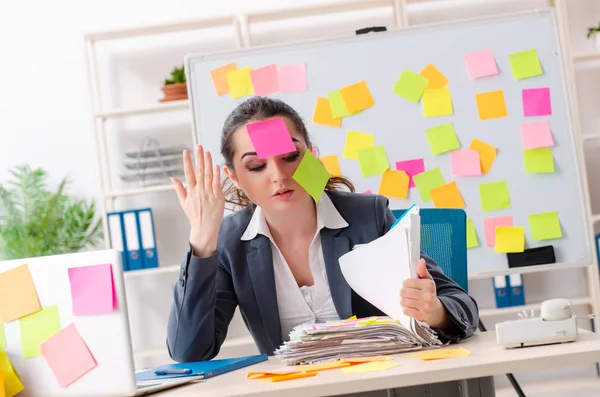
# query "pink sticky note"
(490, 227)
(368, 191)
(92, 290)
(314, 152)
(536, 102)
(465, 162)
(536, 134)
(265, 80)
(292, 78)
(270, 138)
(411, 167)
(481, 64)
(67, 356)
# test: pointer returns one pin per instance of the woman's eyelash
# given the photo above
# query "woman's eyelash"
(257, 168)
(289, 158)
(292, 157)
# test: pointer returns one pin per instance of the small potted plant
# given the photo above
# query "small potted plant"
(594, 33)
(175, 87)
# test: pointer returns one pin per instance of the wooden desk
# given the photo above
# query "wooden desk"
(487, 359)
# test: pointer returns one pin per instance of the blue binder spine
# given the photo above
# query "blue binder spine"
(501, 291)
(116, 233)
(147, 238)
(132, 240)
(517, 293)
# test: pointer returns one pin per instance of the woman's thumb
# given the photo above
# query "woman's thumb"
(422, 271)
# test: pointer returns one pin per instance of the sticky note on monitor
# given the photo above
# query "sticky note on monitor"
(323, 114)
(510, 239)
(37, 328)
(536, 134)
(18, 296)
(442, 138)
(525, 64)
(356, 141)
(12, 383)
(265, 80)
(92, 290)
(465, 162)
(270, 138)
(545, 226)
(292, 78)
(373, 161)
(394, 184)
(331, 164)
(472, 240)
(490, 225)
(410, 86)
(219, 78)
(437, 102)
(357, 97)
(68, 356)
(311, 175)
(538, 160)
(481, 64)
(411, 167)
(447, 196)
(239, 82)
(487, 154)
(536, 102)
(428, 180)
(494, 196)
(491, 105)
(435, 77)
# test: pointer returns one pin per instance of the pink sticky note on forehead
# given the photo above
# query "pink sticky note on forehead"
(465, 162)
(67, 356)
(536, 134)
(411, 167)
(292, 78)
(270, 138)
(536, 102)
(481, 64)
(92, 290)
(490, 225)
(265, 80)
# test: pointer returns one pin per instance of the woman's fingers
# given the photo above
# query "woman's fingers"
(188, 169)
(208, 173)
(180, 190)
(217, 190)
(199, 165)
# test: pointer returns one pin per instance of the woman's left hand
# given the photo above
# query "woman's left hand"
(419, 299)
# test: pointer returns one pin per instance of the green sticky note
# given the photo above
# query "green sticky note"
(338, 107)
(525, 64)
(38, 327)
(442, 139)
(538, 160)
(2, 337)
(373, 161)
(545, 226)
(312, 175)
(494, 196)
(411, 85)
(428, 180)
(356, 141)
(471, 235)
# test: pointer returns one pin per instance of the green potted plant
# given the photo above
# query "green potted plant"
(594, 32)
(37, 221)
(175, 87)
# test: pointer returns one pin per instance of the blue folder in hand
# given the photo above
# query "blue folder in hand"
(204, 369)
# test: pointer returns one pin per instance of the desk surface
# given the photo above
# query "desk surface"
(487, 359)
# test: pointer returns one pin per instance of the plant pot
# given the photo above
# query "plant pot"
(174, 92)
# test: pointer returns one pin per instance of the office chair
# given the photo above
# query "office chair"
(444, 239)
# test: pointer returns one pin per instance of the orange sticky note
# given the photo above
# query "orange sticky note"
(487, 154)
(281, 378)
(394, 184)
(435, 77)
(491, 105)
(263, 375)
(357, 97)
(447, 196)
(18, 296)
(332, 164)
(323, 114)
(219, 78)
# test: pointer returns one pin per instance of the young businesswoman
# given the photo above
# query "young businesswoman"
(277, 258)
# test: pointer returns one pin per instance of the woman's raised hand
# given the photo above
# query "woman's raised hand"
(203, 202)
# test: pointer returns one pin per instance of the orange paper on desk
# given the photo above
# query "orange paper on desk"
(357, 97)
(281, 378)
(436, 354)
(16, 287)
(219, 79)
(447, 196)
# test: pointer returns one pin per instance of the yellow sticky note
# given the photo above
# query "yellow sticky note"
(357, 97)
(356, 141)
(435, 77)
(332, 164)
(323, 114)
(525, 64)
(487, 154)
(538, 160)
(219, 78)
(355, 360)
(545, 226)
(437, 102)
(16, 287)
(510, 239)
(240, 82)
(438, 354)
(12, 383)
(471, 235)
(491, 105)
(394, 184)
(374, 366)
(37, 328)
(351, 318)
(322, 367)
(447, 196)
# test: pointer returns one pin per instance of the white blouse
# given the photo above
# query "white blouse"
(306, 304)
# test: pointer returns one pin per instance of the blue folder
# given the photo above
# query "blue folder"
(204, 369)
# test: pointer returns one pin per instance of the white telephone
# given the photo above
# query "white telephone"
(556, 324)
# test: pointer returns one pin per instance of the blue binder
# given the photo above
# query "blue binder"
(147, 238)
(116, 233)
(501, 291)
(204, 369)
(132, 240)
(517, 294)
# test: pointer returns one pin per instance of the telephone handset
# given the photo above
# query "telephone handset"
(556, 310)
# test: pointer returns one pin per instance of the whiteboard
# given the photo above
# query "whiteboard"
(399, 125)
(107, 335)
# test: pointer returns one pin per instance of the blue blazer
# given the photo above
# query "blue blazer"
(241, 274)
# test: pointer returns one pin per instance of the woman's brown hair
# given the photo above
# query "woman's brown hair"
(256, 109)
